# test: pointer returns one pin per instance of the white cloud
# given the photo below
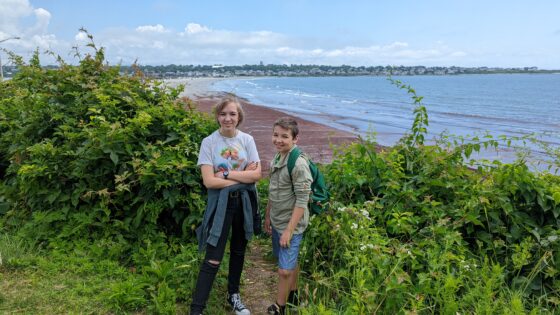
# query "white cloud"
(458, 54)
(201, 44)
(43, 18)
(15, 18)
(393, 53)
(193, 28)
(44, 41)
(159, 45)
(152, 28)
(11, 11)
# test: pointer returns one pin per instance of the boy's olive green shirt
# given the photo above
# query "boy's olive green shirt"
(283, 198)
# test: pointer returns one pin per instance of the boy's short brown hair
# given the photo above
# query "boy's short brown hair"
(287, 123)
(226, 101)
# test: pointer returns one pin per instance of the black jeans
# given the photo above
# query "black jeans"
(238, 244)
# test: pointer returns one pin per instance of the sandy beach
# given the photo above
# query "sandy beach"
(315, 139)
(194, 87)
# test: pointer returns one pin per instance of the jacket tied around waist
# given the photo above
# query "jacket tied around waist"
(214, 215)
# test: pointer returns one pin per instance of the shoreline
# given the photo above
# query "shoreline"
(318, 133)
(194, 87)
(317, 140)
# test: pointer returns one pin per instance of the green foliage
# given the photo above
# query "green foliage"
(161, 275)
(56, 282)
(414, 229)
(88, 152)
(13, 250)
(420, 124)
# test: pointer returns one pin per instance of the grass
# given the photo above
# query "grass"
(40, 282)
(47, 281)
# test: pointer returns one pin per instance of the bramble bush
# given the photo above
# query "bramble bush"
(413, 229)
(89, 153)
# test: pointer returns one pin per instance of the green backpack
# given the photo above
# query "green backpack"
(319, 192)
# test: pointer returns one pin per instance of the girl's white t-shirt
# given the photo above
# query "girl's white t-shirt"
(232, 154)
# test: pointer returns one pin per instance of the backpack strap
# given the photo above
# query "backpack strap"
(292, 158)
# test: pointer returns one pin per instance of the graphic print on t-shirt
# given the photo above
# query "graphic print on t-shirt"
(230, 158)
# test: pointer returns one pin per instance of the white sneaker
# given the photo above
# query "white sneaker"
(238, 307)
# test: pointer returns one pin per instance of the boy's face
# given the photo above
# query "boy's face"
(283, 140)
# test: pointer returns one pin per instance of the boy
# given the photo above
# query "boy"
(287, 214)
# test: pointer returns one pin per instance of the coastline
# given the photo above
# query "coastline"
(316, 140)
(194, 87)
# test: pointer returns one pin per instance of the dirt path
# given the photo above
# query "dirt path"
(260, 278)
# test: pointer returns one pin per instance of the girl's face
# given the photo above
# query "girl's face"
(283, 140)
(228, 117)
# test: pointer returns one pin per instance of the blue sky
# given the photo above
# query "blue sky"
(408, 32)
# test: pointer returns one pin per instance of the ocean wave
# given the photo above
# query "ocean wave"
(473, 103)
(480, 117)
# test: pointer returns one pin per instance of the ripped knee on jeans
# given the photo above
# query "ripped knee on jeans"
(213, 263)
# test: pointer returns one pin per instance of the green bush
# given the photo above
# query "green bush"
(88, 152)
(414, 229)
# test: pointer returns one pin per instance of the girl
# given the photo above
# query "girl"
(230, 166)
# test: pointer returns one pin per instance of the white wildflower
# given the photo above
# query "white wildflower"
(365, 213)
(354, 226)
(342, 209)
(465, 265)
(363, 247)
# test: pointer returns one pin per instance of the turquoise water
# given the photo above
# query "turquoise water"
(502, 104)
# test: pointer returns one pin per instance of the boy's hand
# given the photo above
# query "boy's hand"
(285, 238)
(267, 225)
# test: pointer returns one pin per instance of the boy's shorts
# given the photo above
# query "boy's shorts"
(287, 257)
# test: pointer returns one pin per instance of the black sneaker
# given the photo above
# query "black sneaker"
(293, 298)
(238, 307)
(276, 309)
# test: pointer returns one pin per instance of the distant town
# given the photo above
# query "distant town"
(258, 70)
(176, 71)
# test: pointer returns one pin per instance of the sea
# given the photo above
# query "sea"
(510, 105)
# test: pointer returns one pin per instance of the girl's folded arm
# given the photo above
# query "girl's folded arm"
(210, 181)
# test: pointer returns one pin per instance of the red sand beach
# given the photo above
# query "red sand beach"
(315, 139)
